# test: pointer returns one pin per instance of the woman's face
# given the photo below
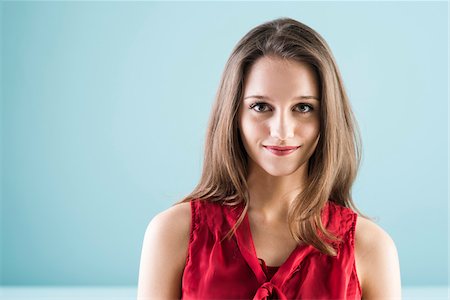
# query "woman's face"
(280, 108)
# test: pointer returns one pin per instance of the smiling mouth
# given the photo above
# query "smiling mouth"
(281, 151)
(282, 148)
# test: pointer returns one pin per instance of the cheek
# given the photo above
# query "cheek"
(246, 134)
(309, 130)
(251, 129)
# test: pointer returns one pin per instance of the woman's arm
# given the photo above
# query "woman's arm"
(164, 252)
(376, 261)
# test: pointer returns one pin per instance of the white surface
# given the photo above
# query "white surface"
(69, 293)
(128, 293)
(426, 293)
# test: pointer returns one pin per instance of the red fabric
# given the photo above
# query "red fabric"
(230, 269)
(269, 271)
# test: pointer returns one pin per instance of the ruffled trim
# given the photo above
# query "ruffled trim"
(347, 232)
(346, 218)
(194, 226)
(351, 231)
(351, 235)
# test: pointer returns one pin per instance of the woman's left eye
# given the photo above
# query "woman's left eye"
(304, 108)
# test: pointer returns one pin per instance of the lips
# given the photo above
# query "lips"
(280, 151)
(285, 148)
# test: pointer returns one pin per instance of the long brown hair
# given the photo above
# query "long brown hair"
(332, 167)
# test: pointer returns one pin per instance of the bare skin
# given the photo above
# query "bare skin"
(279, 118)
(164, 252)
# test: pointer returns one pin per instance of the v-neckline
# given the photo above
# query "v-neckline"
(247, 247)
(252, 241)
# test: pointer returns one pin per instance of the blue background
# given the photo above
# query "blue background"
(105, 105)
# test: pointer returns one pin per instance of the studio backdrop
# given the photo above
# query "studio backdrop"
(105, 106)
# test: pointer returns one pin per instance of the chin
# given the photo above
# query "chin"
(280, 172)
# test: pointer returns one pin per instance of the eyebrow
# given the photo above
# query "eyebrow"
(298, 97)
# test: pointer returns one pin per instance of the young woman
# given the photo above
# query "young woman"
(272, 215)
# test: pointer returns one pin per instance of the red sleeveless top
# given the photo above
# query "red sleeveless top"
(231, 270)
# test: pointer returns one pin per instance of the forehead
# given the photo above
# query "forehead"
(277, 77)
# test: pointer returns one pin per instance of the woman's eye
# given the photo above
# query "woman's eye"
(258, 105)
(304, 108)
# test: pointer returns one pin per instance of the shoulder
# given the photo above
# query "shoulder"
(164, 253)
(376, 261)
(169, 230)
(368, 233)
(173, 221)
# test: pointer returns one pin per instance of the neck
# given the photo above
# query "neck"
(271, 196)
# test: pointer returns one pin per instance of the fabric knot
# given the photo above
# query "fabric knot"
(269, 291)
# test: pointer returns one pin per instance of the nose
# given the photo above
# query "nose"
(282, 126)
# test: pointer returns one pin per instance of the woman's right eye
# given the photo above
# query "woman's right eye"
(259, 107)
